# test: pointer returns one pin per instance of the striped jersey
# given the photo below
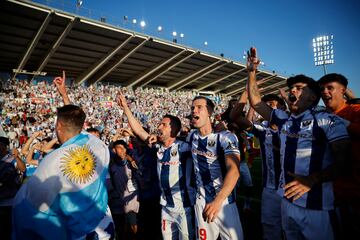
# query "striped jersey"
(176, 175)
(209, 161)
(270, 154)
(304, 150)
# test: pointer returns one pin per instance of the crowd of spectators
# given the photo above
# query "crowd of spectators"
(31, 107)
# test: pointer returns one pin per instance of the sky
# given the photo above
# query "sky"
(281, 30)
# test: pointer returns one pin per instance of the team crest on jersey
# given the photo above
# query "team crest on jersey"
(173, 152)
(211, 143)
(231, 145)
(78, 164)
(305, 123)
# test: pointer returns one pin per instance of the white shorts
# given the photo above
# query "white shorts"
(227, 224)
(271, 214)
(177, 224)
(303, 223)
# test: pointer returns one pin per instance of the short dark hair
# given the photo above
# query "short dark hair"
(72, 116)
(175, 124)
(92, 129)
(273, 97)
(5, 141)
(120, 142)
(333, 77)
(311, 83)
(209, 104)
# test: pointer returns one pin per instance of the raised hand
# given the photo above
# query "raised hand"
(37, 134)
(60, 83)
(61, 87)
(15, 152)
(121, 100)
(152, 140)
(252, 60)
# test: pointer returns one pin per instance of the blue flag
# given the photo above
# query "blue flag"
(66, 197)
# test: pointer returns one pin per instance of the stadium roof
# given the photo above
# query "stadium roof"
(35, 38)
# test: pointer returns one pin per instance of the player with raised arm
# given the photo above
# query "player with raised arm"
(270, 154)
(175, 172)
(314, 146)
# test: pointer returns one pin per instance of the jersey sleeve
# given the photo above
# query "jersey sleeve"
(257, 129)
(185, 147)
(333, 126)
(229, 143)
(190, 136)
(278, 117)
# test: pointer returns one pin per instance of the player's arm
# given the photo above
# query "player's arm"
(239, 106)
(26, 147)
(29, 157)
(212, 209)
(20, 165)
(236, 114)
(134, 124)
(49, 146)
(61, 87)
(340, 152)
(254, 94)
(353, 128)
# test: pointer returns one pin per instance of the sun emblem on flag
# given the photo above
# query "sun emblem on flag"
(78, 164)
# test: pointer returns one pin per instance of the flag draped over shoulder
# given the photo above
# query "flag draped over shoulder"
(66, 197)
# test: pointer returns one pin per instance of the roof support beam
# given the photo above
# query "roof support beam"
(276, 85)
(34, 42)
(261, 81)
(111, 68)
(168, 69)
(202, 75)
(206, 85)
(178, 82)
(143, 75)
(91, 70)
(276, 90)
(231, 84)
(58, 42)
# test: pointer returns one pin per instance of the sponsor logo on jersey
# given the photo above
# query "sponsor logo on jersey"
(205, 154)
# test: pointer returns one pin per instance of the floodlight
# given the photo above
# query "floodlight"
(182, 35)
(323, 50)
(79, 3)
(159, 28)
(174, 34)
(134, 21)
(142, 24)
(205, 43)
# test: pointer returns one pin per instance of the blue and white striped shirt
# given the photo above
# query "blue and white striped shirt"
(209, 161)
(305, 150)
(176, 175)
(270, 154)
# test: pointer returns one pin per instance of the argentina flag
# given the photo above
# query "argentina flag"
(66, 197)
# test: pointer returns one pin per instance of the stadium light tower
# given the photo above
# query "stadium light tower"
(142, 25)
(323, 51)
(174, 34)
